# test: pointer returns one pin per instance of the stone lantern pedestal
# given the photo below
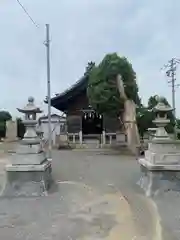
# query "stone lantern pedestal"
(29, 173)
(161, 165)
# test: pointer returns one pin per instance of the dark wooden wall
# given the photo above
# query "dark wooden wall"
(75, 106)
(74, 114)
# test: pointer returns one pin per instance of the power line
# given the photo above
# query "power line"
(171, 68)
(26, 12)
(47, 44)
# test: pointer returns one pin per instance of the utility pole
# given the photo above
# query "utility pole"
(47, 44)
(171, 67)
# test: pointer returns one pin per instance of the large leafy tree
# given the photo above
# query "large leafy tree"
(103, 92)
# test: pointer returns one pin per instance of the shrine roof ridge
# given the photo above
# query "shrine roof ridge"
(81, 84)
(60, 101)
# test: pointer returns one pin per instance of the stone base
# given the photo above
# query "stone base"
(159, 179)
(27, 158)
(27, 180)
(158, 166)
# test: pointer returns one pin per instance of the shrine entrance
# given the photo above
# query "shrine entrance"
(92, 123)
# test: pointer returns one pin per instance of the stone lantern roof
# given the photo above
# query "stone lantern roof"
(30, 107)
(161, 107)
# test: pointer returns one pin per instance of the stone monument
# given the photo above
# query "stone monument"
(161, 164)
(29, 173)
(129, 118)
(11, 131)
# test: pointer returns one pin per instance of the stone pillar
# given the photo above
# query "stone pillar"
(53, 133)
(110, 139)
(29, 173)
(74, 138)
(129, 119)
(11, 131)
(103, 137)
(80, 137)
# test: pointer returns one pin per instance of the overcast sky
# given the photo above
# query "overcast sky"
(146, 32)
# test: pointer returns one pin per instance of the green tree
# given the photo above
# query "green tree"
(103, 91)
(178, 123)
(5, 116)
(152, 102)
(178, 128)
(144, 118)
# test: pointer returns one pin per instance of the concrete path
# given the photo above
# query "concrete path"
(109, 173)
(96, 197)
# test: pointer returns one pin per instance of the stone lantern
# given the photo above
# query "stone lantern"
(161, 164)
(31, 143)
(161, 119)
(29, 172)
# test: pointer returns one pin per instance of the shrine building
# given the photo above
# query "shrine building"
(81, 117)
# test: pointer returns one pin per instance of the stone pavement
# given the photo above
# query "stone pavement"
(87, 203)
(96, 197)
(169, 209)
(73, 214)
